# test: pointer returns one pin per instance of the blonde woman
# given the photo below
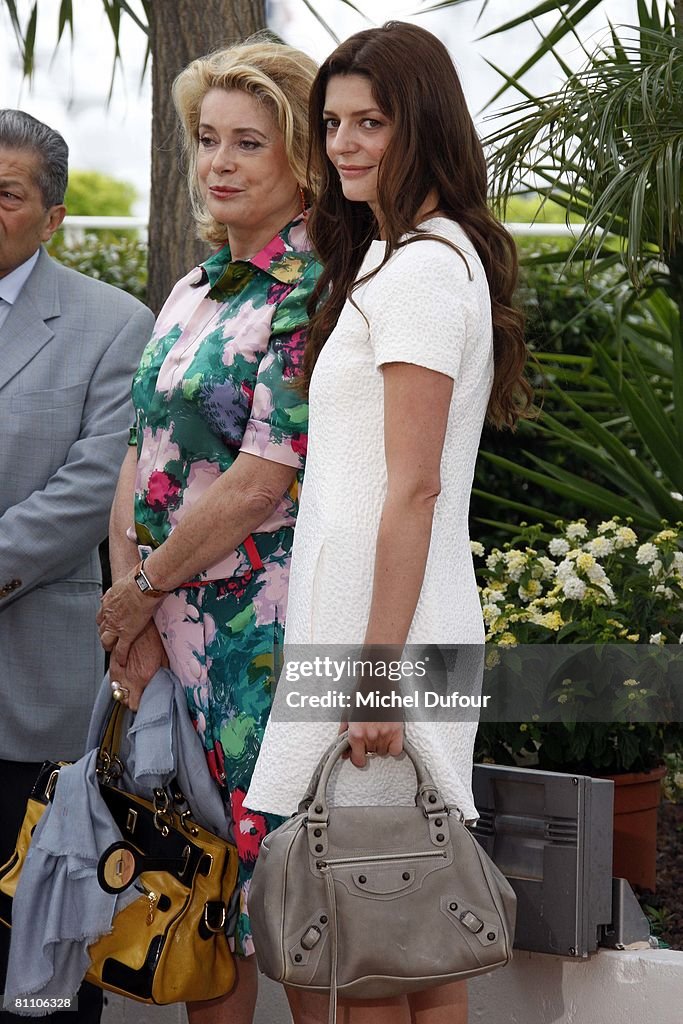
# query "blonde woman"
(203, 520)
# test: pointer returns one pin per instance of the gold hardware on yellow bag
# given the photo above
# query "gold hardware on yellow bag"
(169, 945)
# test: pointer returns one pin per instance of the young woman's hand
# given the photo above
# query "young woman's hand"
(370, 738)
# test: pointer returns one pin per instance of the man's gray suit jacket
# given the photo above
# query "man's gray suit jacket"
(68, 351)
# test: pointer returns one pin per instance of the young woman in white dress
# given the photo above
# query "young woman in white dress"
(414, 343)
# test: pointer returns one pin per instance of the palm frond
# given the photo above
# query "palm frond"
(607, 146)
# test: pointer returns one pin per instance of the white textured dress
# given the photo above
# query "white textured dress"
(427, 307)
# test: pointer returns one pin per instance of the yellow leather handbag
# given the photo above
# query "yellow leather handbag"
(168, 945)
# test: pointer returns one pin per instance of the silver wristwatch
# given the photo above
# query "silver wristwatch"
(144, 584)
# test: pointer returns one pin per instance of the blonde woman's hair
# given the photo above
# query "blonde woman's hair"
(278, 75)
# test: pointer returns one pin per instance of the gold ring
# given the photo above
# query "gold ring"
(120, 693)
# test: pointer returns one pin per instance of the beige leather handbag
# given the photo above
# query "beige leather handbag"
(372, 902)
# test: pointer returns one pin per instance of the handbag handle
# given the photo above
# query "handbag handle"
(109, 763)
(315, 798)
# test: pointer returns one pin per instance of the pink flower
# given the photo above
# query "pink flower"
(300, 444)
(277, 292)
(273, 251)
(163, 491)
(249, 828)
(293, 353)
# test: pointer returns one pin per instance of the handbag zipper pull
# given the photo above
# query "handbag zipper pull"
(152, 897)
(153, 900)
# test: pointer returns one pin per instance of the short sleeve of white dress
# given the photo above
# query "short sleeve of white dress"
(419, 305)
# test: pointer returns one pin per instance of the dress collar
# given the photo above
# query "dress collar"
(284, 258)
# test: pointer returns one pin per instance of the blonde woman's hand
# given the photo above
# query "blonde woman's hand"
(125, 611)
(145, 657)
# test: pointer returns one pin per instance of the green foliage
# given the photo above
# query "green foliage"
(587, 748)
(122, 263)
(26, 34)
(613, 427)
(672, 784)
(565, 315)
(607, 146)
(92, 194)
(530, 208)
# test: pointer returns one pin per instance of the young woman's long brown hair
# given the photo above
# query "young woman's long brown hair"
(434, 147)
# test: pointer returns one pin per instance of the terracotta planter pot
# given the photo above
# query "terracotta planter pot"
(637, 796)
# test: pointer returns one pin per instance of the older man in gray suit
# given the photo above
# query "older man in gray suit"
(68, 348)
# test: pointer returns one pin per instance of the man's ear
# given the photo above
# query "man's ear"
(55, 216)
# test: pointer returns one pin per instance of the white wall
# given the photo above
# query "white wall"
(644, 987)
(611, 987)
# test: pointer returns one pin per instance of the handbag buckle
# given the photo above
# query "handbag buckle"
(209, 907)
(163, 815)
(51, 784)
(109, 767)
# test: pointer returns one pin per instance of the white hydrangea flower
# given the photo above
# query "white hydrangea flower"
(576, 531)
(658, 638)
(494, 558)
(491, 614)
(665, 535)
(552, 620)
(547, 567)
(584, 561)
(600, 546)
(563, 698)
(595, 573)
(535, 616)
(656, 568)
(631, 682)
(607, 526)
(574, 588)
(666, 592)
(493, 596)
(476, 548)
(565, 571)
(516, 562)
(625, 537)
(531, 590)
(646, 554)
(678, 562)
(558, 547)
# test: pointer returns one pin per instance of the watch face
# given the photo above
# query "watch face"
(142, 582)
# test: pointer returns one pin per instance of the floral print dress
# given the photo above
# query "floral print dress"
(216, 380)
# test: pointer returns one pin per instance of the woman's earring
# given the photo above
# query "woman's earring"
(304, 208)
